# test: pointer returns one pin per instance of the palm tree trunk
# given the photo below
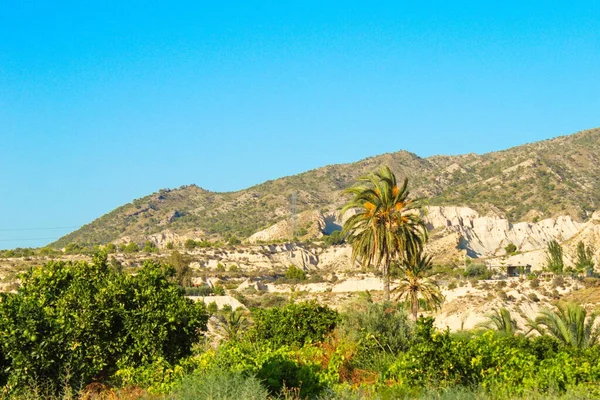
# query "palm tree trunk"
(386, 281)
(415, 305)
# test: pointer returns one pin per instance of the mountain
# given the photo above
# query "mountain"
(526, 183)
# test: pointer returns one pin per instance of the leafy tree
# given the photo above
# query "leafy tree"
(570, 324)
(584, 260)
(110, 248)
(183, 272)
(415, 284)
(554, 257)
(84, 321)
(501, 321)
(386, 226)
(190, 244)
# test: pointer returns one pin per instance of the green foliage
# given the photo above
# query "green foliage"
(131, 247)
(219, 384)
(510, 249)
(233, 324)
(212, 308)
(150, 247)
(294, 325)
(18, 252)
(202, 290)
(376, 333)
(294, 273)
(219, 290)
(584, 261)
(570, 324)
(501, 321)
(181, 263)
(479, 271)
(415, 285)
(278, 368)
(554, 257)
(85, 321)
(385, 227)
(334, 238)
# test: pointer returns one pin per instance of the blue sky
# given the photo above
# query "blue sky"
(103, 102)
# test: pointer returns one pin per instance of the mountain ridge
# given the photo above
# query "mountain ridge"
(536, 180)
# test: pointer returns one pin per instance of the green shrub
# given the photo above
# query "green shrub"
(510, 249)
(219, 290)
(334, 238)
(85, 321)
(295, 274)
(218, 384)
(150, 247)
(190, 244)
(203, 290)
(131, 247)
(477, 271)
(378, 326)
(294, 324)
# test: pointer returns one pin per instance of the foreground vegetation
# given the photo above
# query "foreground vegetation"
(76, 329)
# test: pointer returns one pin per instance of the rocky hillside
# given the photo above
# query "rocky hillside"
(526, 183)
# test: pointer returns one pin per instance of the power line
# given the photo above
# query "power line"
(16, 240)
(37, 229)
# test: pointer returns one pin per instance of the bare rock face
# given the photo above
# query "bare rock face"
(485, 236)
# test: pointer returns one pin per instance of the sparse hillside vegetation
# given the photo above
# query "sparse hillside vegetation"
(538, 180)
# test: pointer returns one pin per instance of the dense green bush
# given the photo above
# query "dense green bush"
(277, 368)
(293, 324)
(80, 322)
(504, 365)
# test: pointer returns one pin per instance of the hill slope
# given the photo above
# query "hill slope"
(544, 179)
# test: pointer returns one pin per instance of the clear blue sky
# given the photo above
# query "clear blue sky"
(103, 102)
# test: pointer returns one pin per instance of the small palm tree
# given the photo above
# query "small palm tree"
(501, 321)
(416, 285)
(570, 324)
(233, 324)
(386, 226)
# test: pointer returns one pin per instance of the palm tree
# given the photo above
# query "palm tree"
(233, 324)
(386, 226)
(570, 324)
(501, 321)
(416, 285)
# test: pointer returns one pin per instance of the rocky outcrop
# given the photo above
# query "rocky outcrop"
(486, 236)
